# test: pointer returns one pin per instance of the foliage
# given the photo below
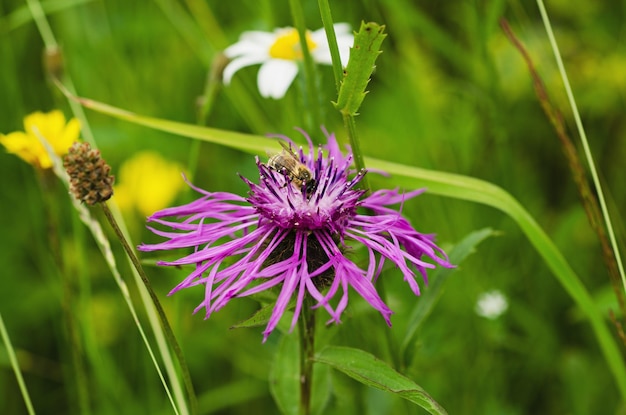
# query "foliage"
(449, 93)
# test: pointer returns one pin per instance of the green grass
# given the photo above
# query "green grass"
(449, 94)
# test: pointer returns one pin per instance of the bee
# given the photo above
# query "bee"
(287, 162)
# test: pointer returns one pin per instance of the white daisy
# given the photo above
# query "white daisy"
(279, 52)
(491, 304)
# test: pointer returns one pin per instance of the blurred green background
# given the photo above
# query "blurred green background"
(449, 93)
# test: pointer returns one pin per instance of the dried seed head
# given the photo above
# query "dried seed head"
(90, 178)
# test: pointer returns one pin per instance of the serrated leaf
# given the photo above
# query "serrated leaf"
(373, 372)
(360, 67)
(430, 296)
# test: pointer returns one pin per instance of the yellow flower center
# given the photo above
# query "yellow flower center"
(287, 45)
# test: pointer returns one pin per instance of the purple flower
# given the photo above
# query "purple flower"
(296, 234)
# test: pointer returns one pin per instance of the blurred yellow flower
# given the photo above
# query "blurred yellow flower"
(147, 182)
(52, 127)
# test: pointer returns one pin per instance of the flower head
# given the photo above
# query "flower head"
(51, 126)
(295, 235)
(90, 178)
(491, 304)
(147, 182)
(278, 53)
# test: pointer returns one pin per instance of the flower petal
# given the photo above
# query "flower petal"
(248, 47)
(67, 137)
(238, 63)
(251, 41)
(275, 77)
(345, 40)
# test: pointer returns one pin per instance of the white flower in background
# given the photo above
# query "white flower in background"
(279, 52)
(491, 304)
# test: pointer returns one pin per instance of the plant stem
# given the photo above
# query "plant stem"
(309, 68)
(327, 20)
(39, 16)
(307, 352)
(587, 196)
(16, 367)
(350, 125)
(584, 141)
(193, 403)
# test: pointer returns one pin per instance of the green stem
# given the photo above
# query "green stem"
(309, 68)
(169, 333)
(77, 375)
(16, 367)
(349, 123)
(307, 352)
(211, 89)
(584, 141)
(327, 20)
(42, 24)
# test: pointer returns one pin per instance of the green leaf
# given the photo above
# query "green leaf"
(375, 373)
(259, 318)
(262, 316)
(322, 389)
(430, 297)
(360, 67)
(285, 376)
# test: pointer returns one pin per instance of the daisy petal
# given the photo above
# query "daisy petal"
(275, 77)
(239, 63)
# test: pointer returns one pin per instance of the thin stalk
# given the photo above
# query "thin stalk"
(211, 89)
(297, 13)
(55, 68)
(76, 375)
(583, 139)
(359, 162)
(105, 248)
(16, 367)
(193, 403)
(80, 378)
(42, 24)
(307, 352)
(588, 198)
(327, 20)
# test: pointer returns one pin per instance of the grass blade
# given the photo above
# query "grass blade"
(583, 139)
(16, 368)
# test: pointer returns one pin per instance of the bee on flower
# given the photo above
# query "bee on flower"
(296, 239)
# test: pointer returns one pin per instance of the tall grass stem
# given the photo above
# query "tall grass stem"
(327, 20)
(583, 138)
(16, 367)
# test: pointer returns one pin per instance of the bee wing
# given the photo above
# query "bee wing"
(287, 148)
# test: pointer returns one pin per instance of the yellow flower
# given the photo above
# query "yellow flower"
(147, 182)
(52, 126)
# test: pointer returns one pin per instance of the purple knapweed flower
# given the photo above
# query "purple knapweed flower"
(295, 234)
